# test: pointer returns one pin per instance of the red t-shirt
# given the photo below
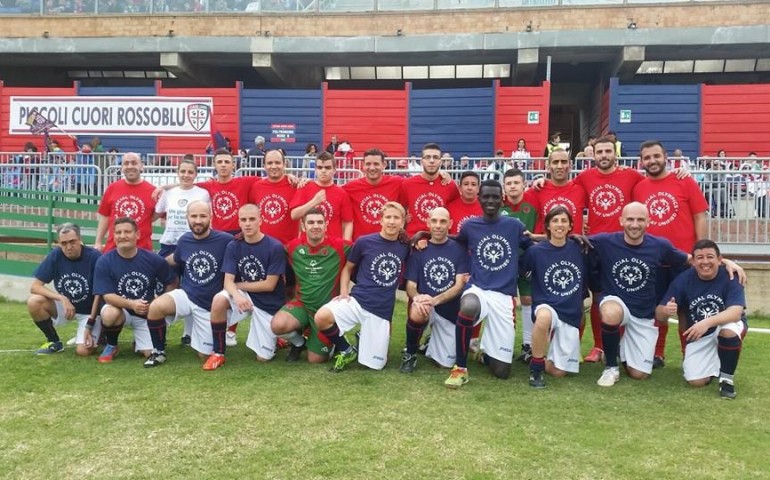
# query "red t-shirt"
(570, 195)
(273, 200)
(672, 203)
(337, 207)
(367, 201)
(226, 200)
(123, 199)
(419, 196)
(607, 194)
(461, 211)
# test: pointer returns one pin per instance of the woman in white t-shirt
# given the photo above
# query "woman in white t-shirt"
(521, 155)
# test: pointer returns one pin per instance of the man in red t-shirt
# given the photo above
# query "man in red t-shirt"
(328, 197)
(677, 212)
(129, 197)
(228, 193)
(559, 190)
(370, 193)
(424, 192)
(273, 196)
(467, 205)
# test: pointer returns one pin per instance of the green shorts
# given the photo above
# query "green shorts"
(525, 287)
(316, 341)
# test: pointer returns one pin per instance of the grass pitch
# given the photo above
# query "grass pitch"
(68, 417)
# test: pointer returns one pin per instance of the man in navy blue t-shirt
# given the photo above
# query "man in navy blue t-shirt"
(71, 269)
(377, 260)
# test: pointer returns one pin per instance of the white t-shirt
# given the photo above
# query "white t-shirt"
(174, 204)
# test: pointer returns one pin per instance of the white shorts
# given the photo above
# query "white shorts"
(261, 337)
(637, 347)
(375, 331)
(564, 348)
(701, 357)
(142, 337)
(201, 338)
(498, 310)
(441, 346)
(82, 319)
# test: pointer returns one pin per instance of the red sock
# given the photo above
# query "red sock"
(476, 331)
(596, 324)
(232, 328)
(660, 345)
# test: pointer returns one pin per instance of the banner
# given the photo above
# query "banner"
(151, 116)
(283, 133)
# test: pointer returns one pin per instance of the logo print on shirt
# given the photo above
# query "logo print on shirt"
(439, 274)
(706, 306)
(134, 285)
(182, 202)
(129, 206)
(606, 200)
(74, 286)
(225, 205)
(462, 221)
(370, 207)
(562, 279)
(274, 209)
(201, 267)
(251, 269)
(630, 274)
(559, 201)
(425, 203)
(327, 209)
(494, 253)
(385, 269)
(663, 208)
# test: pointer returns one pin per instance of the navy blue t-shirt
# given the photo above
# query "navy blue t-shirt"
(558, 275)
(434, 270)
(494, 250)
(131, 278)
(202, 276)
(379, 263)
(630, 271)
(253, 262)
(72, 278)
(705, 298)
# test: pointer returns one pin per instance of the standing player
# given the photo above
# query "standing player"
(129, 197)
(227, 192)
(126, 278)
(200, 252)
(254, 268)
(435, 276)
(558, 271)
(715, 318)
(71, 269)
(317, 261)
(424, 192)
(273, 195)
(377, 261)
(677, 212)
(467, 205)
(322, 193)
(559, 190)
(493, 242)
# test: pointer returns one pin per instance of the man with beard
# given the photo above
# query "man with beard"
(273, 195)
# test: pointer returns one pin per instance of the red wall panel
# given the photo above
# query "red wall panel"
(735, 118)
(15, 143)
(512, 106)
(226, 119)
(367, 119)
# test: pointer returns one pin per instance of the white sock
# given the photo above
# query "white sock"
(294, 338)
(188, 324)
(526, 321)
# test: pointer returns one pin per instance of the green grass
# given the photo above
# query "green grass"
(68, 417)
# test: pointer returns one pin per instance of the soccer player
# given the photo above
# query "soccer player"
(677, 212)
(467, 204)
(129, 197)
(253, 286)
(559, 190)
(322, 193)
(557, 270)
(71, 269)
(273, 195)
(317, 261)
(715, 318)
(493, 242)
(377, 261)
(200, 252)
(227, 192)
(435, 276)
(126, 278)
(424, 192)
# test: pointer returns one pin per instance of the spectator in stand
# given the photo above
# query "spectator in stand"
(345, 158)
(308, 161)
(257, 154)
(520, 155)
(32, 172)
(465, 163)
(619, 150)
(85, 172)
(333, 145)
(446, 161)
(96, 145)
(553, 143)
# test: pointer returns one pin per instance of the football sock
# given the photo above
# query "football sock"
(218, 331)
(157, 333)
(729, 349)
(537, 364)
(660, 345)
(188, 324)
(596, 325)
(112, 334)
(46, 326)
(463, 332)
(413, 334)
(611, 343)
(233, 328)
(333, 334)
(476, 331)
(527, 324)
(294, 337)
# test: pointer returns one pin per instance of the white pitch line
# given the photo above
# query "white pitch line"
(16, 351)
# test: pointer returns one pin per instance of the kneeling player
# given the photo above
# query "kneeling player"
(557, 270)
(716, 323)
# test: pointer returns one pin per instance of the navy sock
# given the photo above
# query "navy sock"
(537, 364)
(157, 333)
(333, 334)
(219, 330)
(729, 349)
(46, 326)
(463, 333)
(112, 334)
(611, 342)
(413, 334)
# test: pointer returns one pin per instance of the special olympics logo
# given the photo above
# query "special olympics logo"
(562, 279)
(663, 208)
(370, 207)
(274, 209)
(74, 286)
(607, 200)
(706, 306)
(133, 285)
(385, 269)
(327, 209)
(439, 274)
(425, 203)
(129, 206)
(630, 274)
(462, 221)
(251, 269)
(225, 205)
(494, 253)
(559, 201)
(201, 267)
